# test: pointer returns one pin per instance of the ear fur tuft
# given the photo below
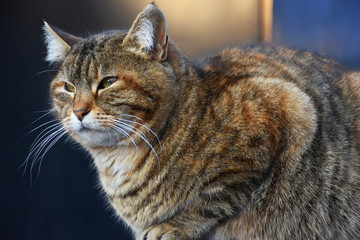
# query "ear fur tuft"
(148, 34)
(58, 43)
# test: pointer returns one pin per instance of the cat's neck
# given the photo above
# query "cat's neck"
(115, 163)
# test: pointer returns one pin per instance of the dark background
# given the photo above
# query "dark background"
(64, 202)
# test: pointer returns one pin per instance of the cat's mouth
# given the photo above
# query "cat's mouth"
(98, 136)
(88, 129)
(87, 125)
(96, 131)
(85, 129)
(92, 132)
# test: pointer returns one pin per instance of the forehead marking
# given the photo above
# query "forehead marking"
(85, 53)
(85, 66)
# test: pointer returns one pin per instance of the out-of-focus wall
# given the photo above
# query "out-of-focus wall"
(199, 26)
(327, 27)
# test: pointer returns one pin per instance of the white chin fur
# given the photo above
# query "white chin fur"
(89, 132)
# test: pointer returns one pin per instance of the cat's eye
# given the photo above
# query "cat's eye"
(106, 82)
(69, 87)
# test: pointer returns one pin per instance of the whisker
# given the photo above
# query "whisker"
(67, 139)
(140, 134)
(43, 147)
(143, 125)
(122, 131)
(128, 125)
(40, 136)
(42, 111)
(53, 141)
(136, 117)
(47, 112)
(132, 116)
(83, 26)
(45, 71)
(51, 121)
(42, 143)
(41, 72)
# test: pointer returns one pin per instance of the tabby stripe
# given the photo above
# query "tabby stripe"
(101, 45)
(88, 62)
(139, 187)
(164, 172)
(78, 64)
(84, 54)
(190, 190)
(132, 84)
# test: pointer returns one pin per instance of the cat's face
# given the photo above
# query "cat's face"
(115, 88)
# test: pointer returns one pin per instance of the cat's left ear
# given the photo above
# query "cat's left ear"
(58, 43)
(148, 34)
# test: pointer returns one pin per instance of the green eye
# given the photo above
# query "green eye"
(69, 87)
(106, 82)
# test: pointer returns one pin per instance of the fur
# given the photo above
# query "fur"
(57, 48)
(260, 142)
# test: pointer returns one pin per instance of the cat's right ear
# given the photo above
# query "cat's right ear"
(148, 34)
(58, 43)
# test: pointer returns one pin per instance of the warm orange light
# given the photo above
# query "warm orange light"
(266, 15)
(200, 26)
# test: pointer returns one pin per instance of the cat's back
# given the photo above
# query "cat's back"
(323, 80)
(304, 110)
(301, 67)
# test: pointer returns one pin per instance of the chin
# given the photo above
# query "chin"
(96, 138)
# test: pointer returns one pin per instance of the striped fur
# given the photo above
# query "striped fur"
(260, 142)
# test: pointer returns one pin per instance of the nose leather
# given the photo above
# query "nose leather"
(82, 106)
(81, 113)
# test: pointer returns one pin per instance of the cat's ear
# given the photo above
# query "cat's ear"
(58, 43)
(148, 34)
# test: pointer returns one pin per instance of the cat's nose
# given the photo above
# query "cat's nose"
(81, 113)
(83, 103)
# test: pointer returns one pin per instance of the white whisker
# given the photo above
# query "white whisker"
(143, 125)
(42, 144)
(139, 133)
(122, 131)
(51, 121)
(128, 125)
(35, 153)
(42, 111)
(53, 141)
(39, 73)
(41, 135)
(47, 112)
(132, 116)
(43, 148)
(55, 138)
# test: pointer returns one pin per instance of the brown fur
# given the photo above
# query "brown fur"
(254, 143)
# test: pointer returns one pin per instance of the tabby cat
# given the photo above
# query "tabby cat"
(254, 143)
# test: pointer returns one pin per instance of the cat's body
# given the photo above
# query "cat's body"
(254, 143)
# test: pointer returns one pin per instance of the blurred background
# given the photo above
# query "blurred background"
(64, 202)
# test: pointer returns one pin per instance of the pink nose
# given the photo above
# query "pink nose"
(81, 113)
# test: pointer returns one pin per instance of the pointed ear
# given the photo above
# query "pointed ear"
(148, 34)
(58, 43)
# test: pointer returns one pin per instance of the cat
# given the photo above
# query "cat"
(259, 142)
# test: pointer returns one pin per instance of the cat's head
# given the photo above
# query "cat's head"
(115, 87)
